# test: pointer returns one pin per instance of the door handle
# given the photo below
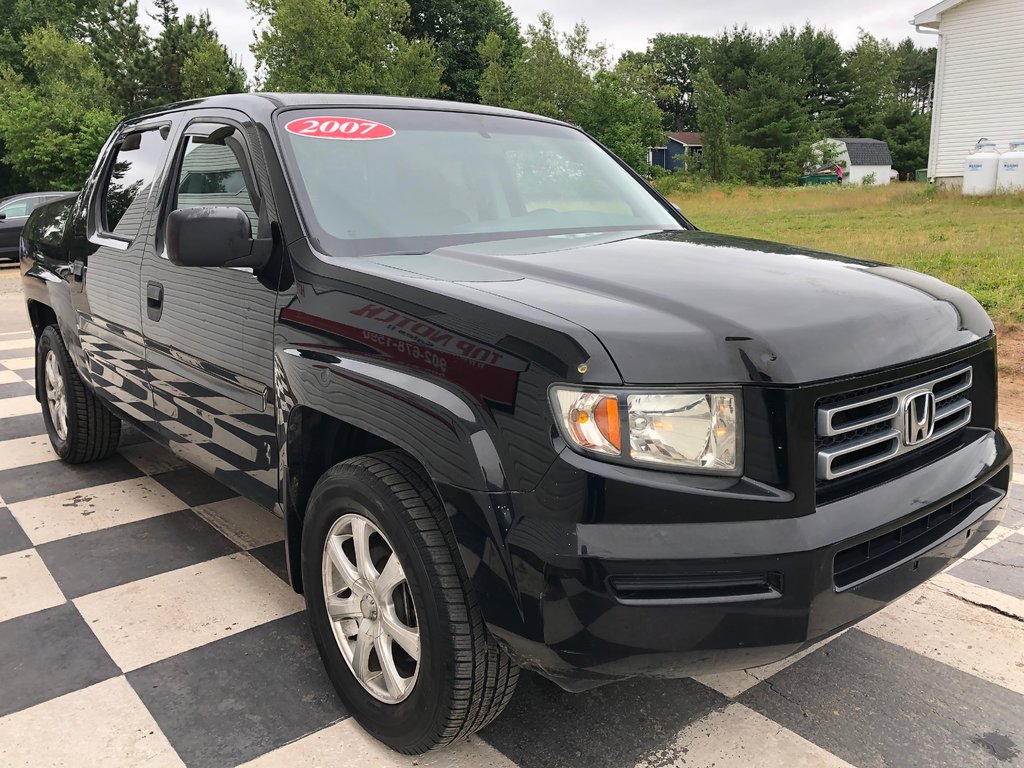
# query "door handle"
(154, 300)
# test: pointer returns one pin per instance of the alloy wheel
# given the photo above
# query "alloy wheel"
(56, 395)
(370, 608)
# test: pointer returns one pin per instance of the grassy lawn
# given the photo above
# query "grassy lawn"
(974, 243)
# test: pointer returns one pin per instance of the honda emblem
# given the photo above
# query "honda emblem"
(918, 417)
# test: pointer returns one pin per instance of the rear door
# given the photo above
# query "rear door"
(209, 330)
(107, 263)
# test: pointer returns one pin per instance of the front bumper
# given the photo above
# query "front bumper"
(693, 598)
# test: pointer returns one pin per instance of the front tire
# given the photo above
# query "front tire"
(394, 617)
(80, 427)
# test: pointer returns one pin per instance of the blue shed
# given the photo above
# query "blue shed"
(681, 148)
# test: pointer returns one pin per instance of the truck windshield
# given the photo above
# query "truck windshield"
(373, 181)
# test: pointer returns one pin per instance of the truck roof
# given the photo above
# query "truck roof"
(262, 105)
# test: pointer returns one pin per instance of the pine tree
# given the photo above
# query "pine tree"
(124, 54)
(184, 39)
(771, 113)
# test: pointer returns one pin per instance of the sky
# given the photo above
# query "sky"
(627, 26)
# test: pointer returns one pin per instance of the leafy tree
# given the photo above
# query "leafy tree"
(54, 119)
(385, 61)
(18, 18)
(496, 79)
(744, 164)
(553, 76)
(322, 45)
(566, 76)
(458, 28)
(907, 133)
(621, 115)
(712, 107)
(641, 77)
(676, 59)
(303, 46)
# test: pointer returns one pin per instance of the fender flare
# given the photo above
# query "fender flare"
(438, 428)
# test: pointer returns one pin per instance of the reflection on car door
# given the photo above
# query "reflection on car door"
(209, 330)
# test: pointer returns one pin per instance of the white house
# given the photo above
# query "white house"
(979, 79)
(861, 159)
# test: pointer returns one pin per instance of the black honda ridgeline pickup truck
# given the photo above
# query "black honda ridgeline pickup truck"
(513, 409)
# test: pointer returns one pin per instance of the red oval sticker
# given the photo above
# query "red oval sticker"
(340, 128)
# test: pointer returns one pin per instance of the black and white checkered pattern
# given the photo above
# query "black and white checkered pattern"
(145, 620)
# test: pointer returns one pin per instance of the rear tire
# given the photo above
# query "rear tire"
(81, 428)
(461, 680)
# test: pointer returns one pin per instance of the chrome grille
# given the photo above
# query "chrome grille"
(866, 430)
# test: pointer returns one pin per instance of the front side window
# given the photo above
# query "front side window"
(373, 181)
(211, 175)
(137, 161)
(21, 207)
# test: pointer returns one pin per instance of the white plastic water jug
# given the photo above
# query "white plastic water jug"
(981, 169)
(1011, 168)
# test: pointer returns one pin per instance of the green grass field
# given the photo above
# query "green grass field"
(974, 243)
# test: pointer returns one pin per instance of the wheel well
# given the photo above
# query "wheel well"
(41, 316)
(317, 441)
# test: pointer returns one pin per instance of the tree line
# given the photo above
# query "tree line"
(71, 69)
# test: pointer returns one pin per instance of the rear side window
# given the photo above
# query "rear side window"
(17, 208)
(136, 162)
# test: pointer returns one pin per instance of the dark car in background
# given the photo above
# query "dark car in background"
(14, 212)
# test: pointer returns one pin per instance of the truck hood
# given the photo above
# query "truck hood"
(696, 307)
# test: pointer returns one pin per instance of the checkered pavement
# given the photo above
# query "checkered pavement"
(145, 620)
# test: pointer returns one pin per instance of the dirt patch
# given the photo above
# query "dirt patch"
(1011, 375)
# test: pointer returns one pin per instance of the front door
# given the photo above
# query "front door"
(209, 330)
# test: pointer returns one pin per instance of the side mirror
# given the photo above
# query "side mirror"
(2, 215)
(214, 236)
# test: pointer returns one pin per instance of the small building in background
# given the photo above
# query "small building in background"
(979, 80)
(863, 160)
(682, 149)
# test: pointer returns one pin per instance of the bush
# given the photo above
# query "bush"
(680, 182)
(744, 164)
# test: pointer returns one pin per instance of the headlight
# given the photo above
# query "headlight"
(695, 431)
